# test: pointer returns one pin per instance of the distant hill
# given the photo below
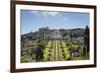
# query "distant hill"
(47, 33)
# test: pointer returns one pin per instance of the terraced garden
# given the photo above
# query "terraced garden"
(54, 48)
(57, 50)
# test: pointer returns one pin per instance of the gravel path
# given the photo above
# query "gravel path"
(57, 57)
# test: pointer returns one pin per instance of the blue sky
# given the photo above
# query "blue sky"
(33, 20)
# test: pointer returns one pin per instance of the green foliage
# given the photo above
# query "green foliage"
(66, 53)
(74, 42)
(46, 51)
(25, 58)
(74, 47)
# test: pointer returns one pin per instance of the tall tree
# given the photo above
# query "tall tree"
(86, 38)
(39, 53)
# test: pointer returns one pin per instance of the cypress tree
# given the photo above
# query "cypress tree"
(86, 38)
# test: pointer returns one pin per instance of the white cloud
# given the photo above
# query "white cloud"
(34, 11)
(50, 13)
(45, 13)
